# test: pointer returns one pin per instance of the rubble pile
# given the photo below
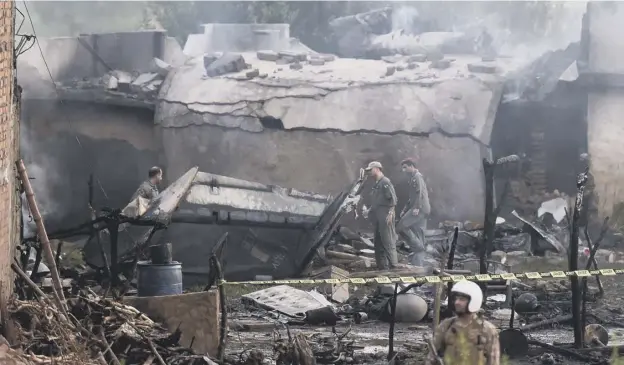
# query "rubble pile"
(135, 85)
(217, 64)
(95, 329)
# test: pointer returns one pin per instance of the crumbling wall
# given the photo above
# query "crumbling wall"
(65, 142)
(606, 105)
(313, 131)
(9, 130)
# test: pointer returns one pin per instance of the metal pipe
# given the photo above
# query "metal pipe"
(43, 236)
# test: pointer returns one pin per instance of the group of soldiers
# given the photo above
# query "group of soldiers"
(466, 338)
(412, 221)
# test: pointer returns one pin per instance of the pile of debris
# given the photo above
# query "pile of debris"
(91, 329)
(218, 64)
(142, 86)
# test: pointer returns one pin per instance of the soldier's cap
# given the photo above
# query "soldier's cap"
(372, 165)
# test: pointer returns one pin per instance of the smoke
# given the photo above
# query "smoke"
(42, 173)
(523, 30)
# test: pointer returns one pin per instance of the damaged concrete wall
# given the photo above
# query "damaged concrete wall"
(606, 105)
(116, 144)
(313, 128)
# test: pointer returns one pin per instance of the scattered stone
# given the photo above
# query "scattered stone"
(392, 59)
(400, 68)
(210, 58)
(161, 67)
(296, 56)
(317, 62)
(296, 66)
(440, 64)
(229, 62)
(268, 56)
(124, 79)
(417, 58)
(481, 68)
(253, 73)
(263, 76)
(390, 70)
(411, 66)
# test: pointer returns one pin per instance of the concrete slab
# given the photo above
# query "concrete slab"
(197, 314)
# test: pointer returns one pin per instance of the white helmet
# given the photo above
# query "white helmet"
(471, 290)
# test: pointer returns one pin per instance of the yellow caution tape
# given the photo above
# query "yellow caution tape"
(438, 278)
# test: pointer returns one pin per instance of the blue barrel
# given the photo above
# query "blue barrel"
(158, 280)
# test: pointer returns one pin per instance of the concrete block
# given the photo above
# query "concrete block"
(142, 81)
(110, 82)
(161, 67)
(337, 292)
(317, 62)
(124, 79)
(268, 56)
(482, 68)
(197, 314)
(297, 56)
(390, 70)
(229, 62)
(326, 57)
(253, 73)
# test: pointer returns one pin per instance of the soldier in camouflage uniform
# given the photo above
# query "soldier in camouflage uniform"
(381, 216)
(413, 221)
(466, 338)
(589, 211)
(149, 188)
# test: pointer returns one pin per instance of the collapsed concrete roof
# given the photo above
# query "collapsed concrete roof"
(357, 95)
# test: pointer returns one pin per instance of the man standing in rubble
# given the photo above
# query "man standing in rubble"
(413, 218)
(466, 338)
(381, 215)
(589, 209)
(149, 188)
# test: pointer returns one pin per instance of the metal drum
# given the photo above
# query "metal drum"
(157, 280)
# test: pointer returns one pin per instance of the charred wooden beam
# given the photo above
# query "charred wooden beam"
(573, 260)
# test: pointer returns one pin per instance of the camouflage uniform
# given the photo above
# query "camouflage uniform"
(383, 203)
(475, 343)
(147, 190)
(413, 226)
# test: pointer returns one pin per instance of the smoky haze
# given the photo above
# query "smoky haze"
(521, 30)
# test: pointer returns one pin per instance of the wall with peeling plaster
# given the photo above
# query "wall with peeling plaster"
(313, 129)
(606, 107)
(63, 143)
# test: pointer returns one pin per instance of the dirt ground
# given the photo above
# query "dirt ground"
(370, 340)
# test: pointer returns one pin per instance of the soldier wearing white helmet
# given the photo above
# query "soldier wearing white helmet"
(466, 338)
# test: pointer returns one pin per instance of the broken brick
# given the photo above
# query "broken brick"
(267, 56)
(253, 73)
(229, 62)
